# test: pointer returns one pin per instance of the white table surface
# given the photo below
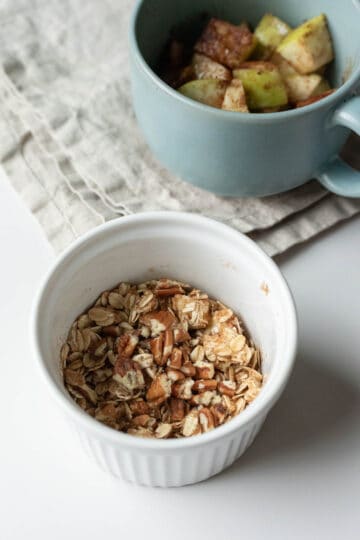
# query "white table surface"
(299, 480)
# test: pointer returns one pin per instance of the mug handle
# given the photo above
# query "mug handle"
(338, 176)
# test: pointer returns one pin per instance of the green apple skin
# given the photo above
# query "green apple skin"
(263, 85)
(269, 33)
(208, 91)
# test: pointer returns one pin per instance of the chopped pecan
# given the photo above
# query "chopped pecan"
(126, 345)
(191, 425)
(108, 415)
(158, 321)
(145, 360)
(160, 389)
(176, 358)
(107, 412)
(156, 345)
(112, 330)
(180, 335)
(168, 344)
(139, 407)
(219, 412)
(177, 409)
(188, 369)
(227, 387)
(182, 389)
(203, 398)
(204, 370)
(126, 371)
(174, 374)
(197, 354)
(206, 420)
(144, 420)
(167, 287)
(204, 384)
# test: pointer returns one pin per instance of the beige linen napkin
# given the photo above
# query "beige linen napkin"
(71, 147)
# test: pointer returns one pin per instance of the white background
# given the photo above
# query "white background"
(299, 480)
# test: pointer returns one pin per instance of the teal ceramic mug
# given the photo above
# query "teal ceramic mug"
(236, 154)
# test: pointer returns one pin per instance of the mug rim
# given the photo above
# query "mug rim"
(340, 92)
(260, 406)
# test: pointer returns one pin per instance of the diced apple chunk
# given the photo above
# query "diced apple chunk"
(206, 68)
(235, 99)
(309, 46)
(301, 87)
(269, 33)
(263, 85)
(285, 69)
(208, 91)
(226, 43)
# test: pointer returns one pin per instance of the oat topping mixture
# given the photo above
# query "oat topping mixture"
(160, 359)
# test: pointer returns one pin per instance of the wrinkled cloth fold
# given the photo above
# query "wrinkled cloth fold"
(71, 148)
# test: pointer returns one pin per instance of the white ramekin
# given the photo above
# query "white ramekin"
(205, 253)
